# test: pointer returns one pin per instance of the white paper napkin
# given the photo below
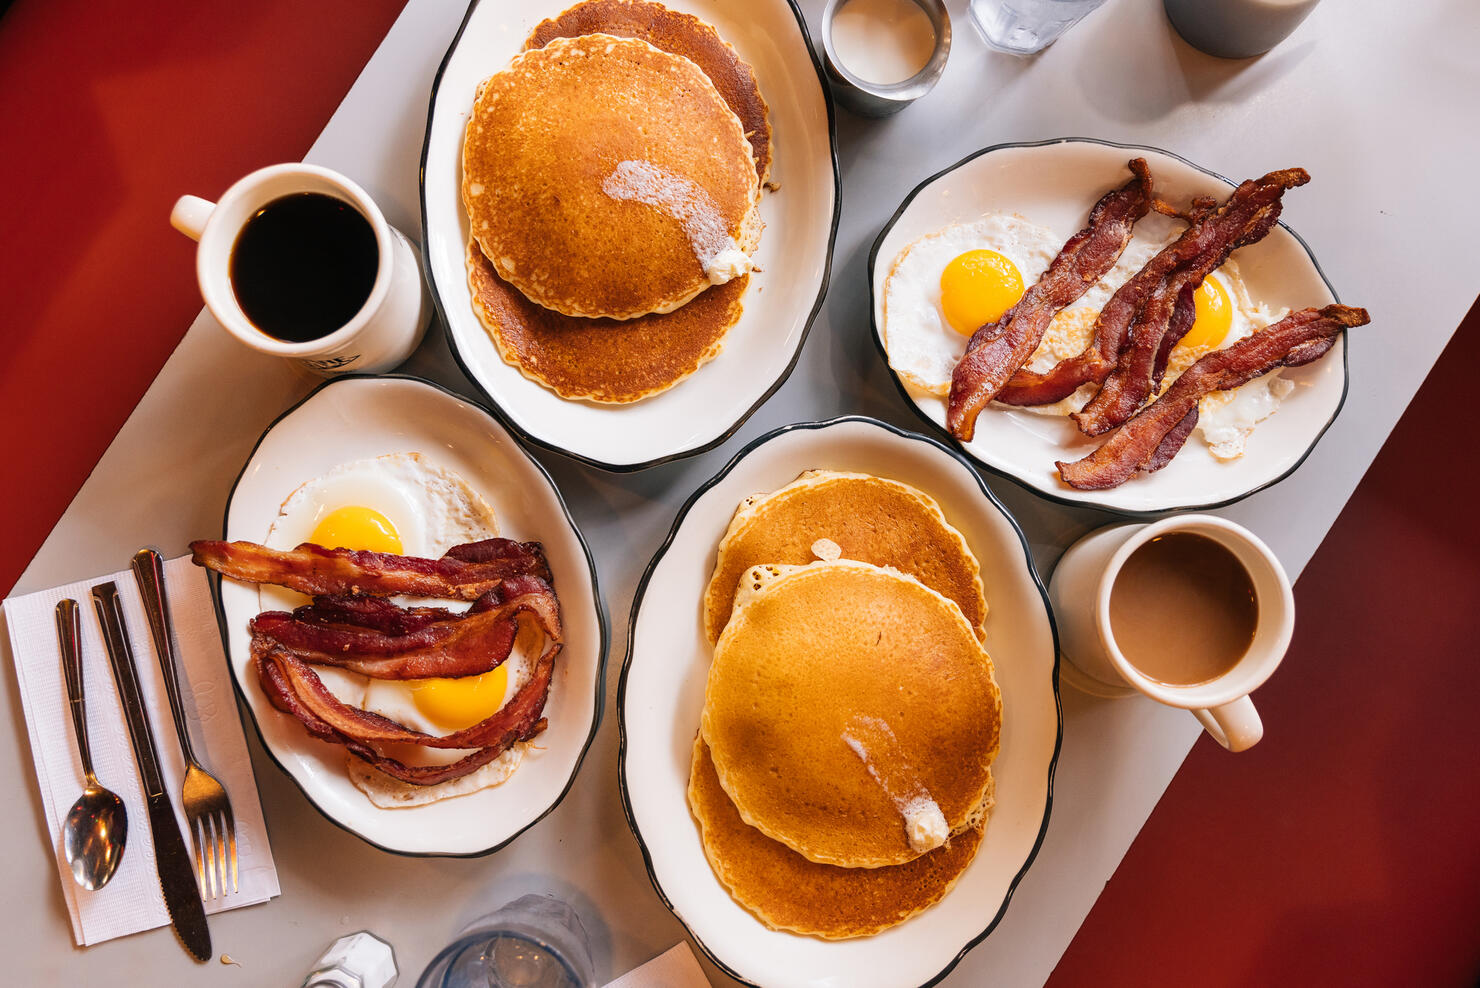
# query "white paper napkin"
(674, 968)
(132, 901)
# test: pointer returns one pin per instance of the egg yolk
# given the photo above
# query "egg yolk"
(1214, 316)
(977, 287)
(454, 704)
(355, 527)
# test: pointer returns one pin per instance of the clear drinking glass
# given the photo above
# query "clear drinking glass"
(536, 941)
(1022, 27)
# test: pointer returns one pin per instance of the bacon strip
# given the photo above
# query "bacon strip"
(1211, 228)
(999, 349)
(466, 572)
(1148, 441)
(441, 644)
(293, 687)
(375, 613)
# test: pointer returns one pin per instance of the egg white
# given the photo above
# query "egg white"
(922, 345)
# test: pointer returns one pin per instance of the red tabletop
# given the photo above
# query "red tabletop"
(1345, 849)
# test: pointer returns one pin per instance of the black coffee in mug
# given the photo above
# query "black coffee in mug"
(303, 266)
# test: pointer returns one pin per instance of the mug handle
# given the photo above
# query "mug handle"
(1236, 726)
(190, 215)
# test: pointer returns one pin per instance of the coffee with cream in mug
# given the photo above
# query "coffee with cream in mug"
(1183, 609)
(1192, 611)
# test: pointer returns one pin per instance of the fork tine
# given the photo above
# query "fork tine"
(218, 824)
(230, 828)
(200, 867)
(213, 851)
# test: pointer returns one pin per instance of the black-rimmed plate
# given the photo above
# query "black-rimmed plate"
(801, 218)
(354, 418)
(1054, 184)
(662, 692)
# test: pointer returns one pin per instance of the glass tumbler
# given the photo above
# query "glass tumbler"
(536, 941)
(1022, 27)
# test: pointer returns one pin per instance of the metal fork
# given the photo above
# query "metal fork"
(207, 807)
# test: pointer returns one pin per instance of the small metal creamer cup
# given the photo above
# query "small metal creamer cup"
(381, 335)
(872, 99)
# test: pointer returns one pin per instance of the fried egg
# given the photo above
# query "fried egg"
(403, 504)
(398, 503)
(443, 706)
(945, 285)
(440, 707)
(1225, 315)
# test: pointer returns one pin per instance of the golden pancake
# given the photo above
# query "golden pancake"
(871, 519)
(787, 892)
(678, 34)
(851, 712)
(603, 177)
(601, 360)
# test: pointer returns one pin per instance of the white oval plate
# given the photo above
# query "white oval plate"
(352, 418)
(784, 296)
(662, 692)
(1054, 184)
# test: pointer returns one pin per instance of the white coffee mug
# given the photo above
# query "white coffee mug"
(1080, 592)
(387, 327)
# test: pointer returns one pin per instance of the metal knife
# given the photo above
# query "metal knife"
(171, 859)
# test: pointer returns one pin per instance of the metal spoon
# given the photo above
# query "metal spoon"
(96, 827)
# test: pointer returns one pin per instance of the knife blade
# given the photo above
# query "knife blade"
(171, 859)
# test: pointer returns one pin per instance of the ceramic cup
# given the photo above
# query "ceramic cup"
(1236, 28)
(380, 336)
(1080, 592)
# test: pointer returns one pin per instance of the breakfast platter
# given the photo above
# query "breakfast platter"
(662, 693)
(855, 737)
(355, 420)
(547, 390)
(1038, 194)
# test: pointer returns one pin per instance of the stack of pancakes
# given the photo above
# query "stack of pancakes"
(842, 774)
(612, 175)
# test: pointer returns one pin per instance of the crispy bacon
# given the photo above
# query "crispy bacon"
(1248, 215)
(466, 572)
(293, 687)
(435, 643)
(999, 349)
(1211, 228)
(375, 613)
(1148, 441)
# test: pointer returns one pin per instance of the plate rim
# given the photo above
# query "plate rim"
(641, 592)
(493, 405)
(601, 619)
(1093, 499)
